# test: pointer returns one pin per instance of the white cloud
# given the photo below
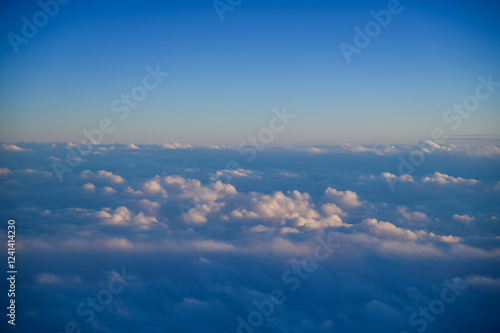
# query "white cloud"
(344, 198)
(288, 174)
(150, 207)
(89, 187)
(108, 190)
(483, 151)
(52, 158)
(403, 178)
(175, 145)
(118, 243)
(463, 218)
(209, 245)
(198, 214)
(434, 146)
(132, 146)
(194, 189)
(295, 207)
(4, 171)
(103, 175)
(129, 190)
(122, 215)
(481, 281)
(381, 151)
(236, 173)
(261, 228)
(445, 239)
(411, 216)
(442, 178)
(331, 209)
(281, 245)
(6, 146)
(278, 206)
(386, 229)
(154, 187)
(288, 230)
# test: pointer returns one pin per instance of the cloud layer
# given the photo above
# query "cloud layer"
(209, 242)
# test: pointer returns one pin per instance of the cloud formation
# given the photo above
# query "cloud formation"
(209, 241)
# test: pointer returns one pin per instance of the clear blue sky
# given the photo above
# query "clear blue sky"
(227, 76)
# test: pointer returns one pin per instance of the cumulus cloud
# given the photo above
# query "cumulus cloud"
(108, 190)
(103, 175)
(278, 206)
(194, 189)
(211, 246)
(411, 215)
(236, 173)
(6, 146)
(294, 207)
(89, 187)
(380, 150)
(463, 218)
(347, 198)
(122, 215)
(175, 145)
(154, 187)
(441, 178)
(198, 214)
(386, 229)
(132, 146)
(391, 177)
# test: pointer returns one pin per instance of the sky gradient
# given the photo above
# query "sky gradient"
(225, 77)
(250, 166)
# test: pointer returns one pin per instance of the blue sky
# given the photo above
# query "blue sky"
(182, 212)
(226, 76)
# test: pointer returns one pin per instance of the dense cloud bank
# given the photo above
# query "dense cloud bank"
(174, 238)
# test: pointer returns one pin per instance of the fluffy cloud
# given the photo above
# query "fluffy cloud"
(89, 187)
(213, 246)
(122, 215)
(347, 198)
(441, 178)
(386, 229)
(402, 178)
(411, 216)
(278, 206)
(11, 147)
(132, 146)
(463, 218)
(103, 175)
(175, 145)
(153, 187)
(108, 190)
(227, 174)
